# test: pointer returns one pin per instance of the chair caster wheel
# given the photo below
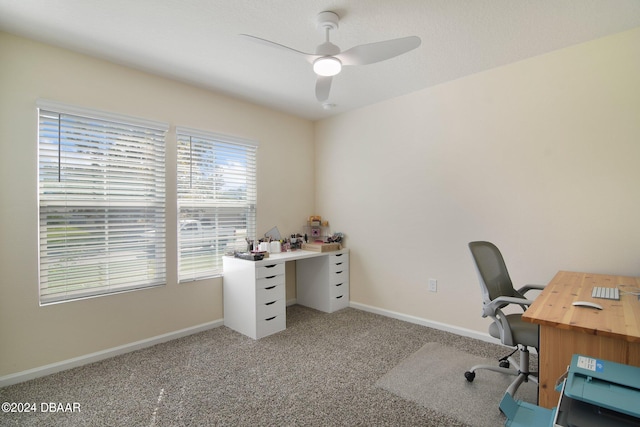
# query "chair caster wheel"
(504, 364)
(470, 376)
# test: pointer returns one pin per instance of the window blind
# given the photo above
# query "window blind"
(101, 203)
(216, 200)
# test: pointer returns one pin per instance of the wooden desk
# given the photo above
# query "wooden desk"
(612, 333)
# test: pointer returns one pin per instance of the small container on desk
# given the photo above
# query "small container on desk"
(321, 247)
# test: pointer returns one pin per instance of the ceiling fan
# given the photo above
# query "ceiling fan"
(329, 59)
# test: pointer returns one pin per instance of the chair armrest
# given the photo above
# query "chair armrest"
(526, 288)
(500, 302)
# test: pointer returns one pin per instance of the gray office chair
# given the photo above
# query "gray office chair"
(497, 293)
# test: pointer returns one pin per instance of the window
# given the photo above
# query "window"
(102, 203)
(216, 200)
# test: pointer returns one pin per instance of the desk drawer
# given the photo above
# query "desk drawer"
(338, 289)
(269, 281)
(341, 276)
(270, 308)
(271, 325)
(335, 258)
(340, 265)
(270, 293)
(270, 270)
(339, 302)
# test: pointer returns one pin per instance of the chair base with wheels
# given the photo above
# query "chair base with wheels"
(510, 366)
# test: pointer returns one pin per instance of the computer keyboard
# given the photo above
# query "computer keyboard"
(605, 293)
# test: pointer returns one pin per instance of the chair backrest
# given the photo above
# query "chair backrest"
(492, 271)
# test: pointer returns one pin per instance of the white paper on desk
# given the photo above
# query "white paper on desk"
(274, 233)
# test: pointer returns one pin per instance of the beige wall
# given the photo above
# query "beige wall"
(33, 336)
(542, 157)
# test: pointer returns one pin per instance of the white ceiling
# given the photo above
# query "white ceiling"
(197, 41)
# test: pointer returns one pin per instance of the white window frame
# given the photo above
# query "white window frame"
(102, 219)
(217, 199)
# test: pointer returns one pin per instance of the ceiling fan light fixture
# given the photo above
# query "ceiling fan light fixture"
(327, 66)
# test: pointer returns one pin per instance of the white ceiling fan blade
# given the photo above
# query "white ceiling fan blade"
(309, 57)
(323, 87)
(376, 52)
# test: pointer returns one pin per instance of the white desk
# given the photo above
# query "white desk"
(255, 296)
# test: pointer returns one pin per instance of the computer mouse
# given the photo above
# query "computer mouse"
(587, 304)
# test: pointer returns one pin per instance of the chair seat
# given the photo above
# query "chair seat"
(524, 333)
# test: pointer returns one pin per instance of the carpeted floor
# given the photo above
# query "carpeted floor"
(321, 371)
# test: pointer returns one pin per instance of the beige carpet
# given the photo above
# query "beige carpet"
(434, 378)
(321, 371)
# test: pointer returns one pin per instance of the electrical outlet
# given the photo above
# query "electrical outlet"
(433, 285)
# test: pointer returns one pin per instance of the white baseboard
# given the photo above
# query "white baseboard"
(104, 354)
(425, 322)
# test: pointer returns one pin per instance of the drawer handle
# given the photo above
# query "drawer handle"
(339, 254)
(339, 297)
(339, 284)
(271, 287)
(338, 272)
(270, 318)
(270, 266)
(270, 277)
(338, 263)
(270, 303)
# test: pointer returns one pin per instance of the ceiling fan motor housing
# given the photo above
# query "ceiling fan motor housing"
(328, 20)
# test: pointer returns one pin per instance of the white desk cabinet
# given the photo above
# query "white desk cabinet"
(323, 282)
(255, 296)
